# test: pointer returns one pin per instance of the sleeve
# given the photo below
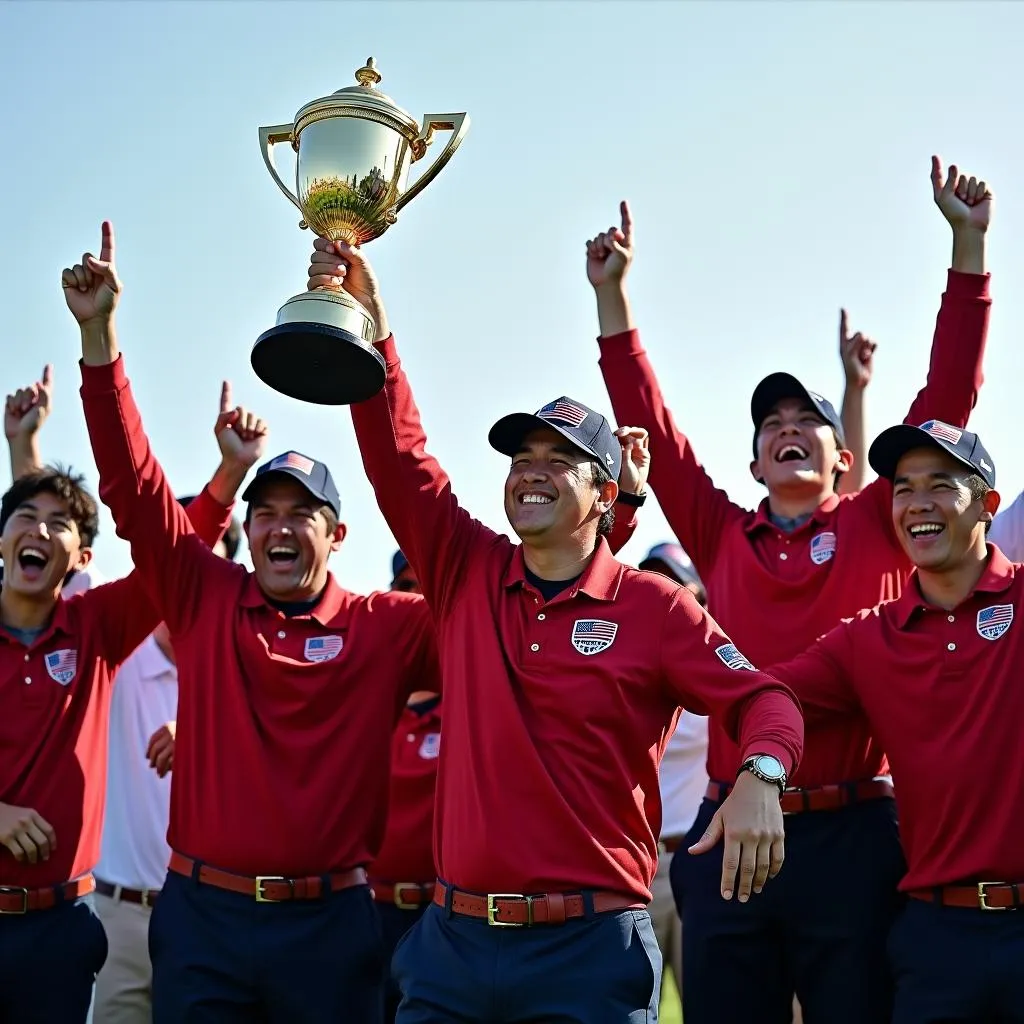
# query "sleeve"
(1007, 531)
(416, 634)
(623, 528)
(709, 676)
(414, 493)
(696, 510)
(172, 561)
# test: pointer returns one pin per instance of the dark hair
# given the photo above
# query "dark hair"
(607, 520)
(232, 535)
(63, 484)
(978, 488)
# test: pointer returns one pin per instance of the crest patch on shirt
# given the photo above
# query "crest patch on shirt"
(323, 648)
(995, 620)
(823, 547)
(731, 658)
(431, 746)
(592, 636)
(62, 666)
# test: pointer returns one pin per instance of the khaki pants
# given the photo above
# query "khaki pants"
(123, 987)
(667, 926)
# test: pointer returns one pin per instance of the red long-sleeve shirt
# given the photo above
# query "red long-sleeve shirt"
(556, 714)
(775, 593)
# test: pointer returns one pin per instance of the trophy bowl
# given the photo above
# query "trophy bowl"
(354, 150)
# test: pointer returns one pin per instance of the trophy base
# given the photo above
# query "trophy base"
(320, 351)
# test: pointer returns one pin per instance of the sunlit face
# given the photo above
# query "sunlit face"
(406, 581)
(40, 546)
(935, 517)
(796, 448)
(550, 491)
(290, 540)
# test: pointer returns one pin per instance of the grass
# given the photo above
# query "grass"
(671, 1012)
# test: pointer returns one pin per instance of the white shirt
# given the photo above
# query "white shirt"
(1007, 531)
(134, 852)
(684, 774)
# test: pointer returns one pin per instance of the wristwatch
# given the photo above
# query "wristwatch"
(632, 500)
(767, 769)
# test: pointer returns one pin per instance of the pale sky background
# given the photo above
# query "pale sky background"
(776, 156)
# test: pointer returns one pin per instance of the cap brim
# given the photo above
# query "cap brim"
(506, 436)
(772, 390)
(292, 474)
(892, 444)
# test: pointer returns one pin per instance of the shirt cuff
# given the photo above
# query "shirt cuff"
(108, 377)
(776, 750)
(967, 286)
(388, 350)
(626, 343)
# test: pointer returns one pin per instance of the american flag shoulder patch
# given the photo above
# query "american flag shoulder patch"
(942, 431)
(293, 460)
(62, 665)
(823, 547)
(994, 620)
(564, 411)
(729, 656)
(592, 636)
(323, 648)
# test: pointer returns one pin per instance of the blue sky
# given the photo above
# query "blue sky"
(776, 157)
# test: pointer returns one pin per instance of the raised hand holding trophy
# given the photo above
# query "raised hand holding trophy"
(354, 150)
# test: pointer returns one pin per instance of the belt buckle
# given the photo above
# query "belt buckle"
(405, 904)
(983, 896)
(261, 881)
(492, 909)
(14, 890)
(144, 899)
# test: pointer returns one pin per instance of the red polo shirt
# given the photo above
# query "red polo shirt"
(281, 751)
(407, 854)
(776, 593)
(556, 714)
(943, 693)
(55, 697)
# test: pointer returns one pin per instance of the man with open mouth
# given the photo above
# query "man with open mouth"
(777, 578)
(937, 675)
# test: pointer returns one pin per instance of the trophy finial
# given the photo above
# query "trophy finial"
(368, 75)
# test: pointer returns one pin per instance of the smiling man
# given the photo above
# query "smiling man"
(288, 691)
(564, 674)
(778, 578)
(937, 675)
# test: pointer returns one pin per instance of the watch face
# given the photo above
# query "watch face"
(770, 766)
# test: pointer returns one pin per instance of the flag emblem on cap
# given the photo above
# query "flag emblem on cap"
(731, 658)
(431, 746)
(322, 648)
(592, 636)
(942, 431)
(292, 460)
(567, 412)
(823, 547)
(62, 665)
(995, 620)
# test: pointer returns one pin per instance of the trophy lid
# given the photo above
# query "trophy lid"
(365, 96)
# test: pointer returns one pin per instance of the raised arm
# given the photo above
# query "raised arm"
(695, 509)
(25, 412)
(636, 466)
(413, 491)
(857, 354)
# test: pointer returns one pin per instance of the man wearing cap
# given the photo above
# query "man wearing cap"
(564, 670)
(682, 777)
(937, 675)
(402, 876)
(288, 691)
(777, 579)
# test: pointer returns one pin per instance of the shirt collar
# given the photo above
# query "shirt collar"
(997, 578)
(334, 604)
(600, 579)
(60, 622)
(819, 517)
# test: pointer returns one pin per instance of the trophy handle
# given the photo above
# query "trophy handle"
(269, 138)
(458, 125)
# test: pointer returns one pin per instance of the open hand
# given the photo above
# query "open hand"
(610, 253)
(26, 410)
(241, 435)
(92, 288)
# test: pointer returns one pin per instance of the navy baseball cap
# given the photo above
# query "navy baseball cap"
(891, 445)
(777, 386)
(313, 475)
(582, 426)
(675, 558)
(398, 563)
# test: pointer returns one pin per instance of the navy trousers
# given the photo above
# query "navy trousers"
(601, 969)
(49, 960)
(395, 922)
(952, 965)
(817, 930)
(221, 957)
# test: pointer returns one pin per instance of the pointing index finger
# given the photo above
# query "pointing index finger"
(107, 242)
(47, 379)
(843, 333)
(627, 222)
(225, 396)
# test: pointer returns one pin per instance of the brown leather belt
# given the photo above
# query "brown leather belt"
(818, 798)
(143, 897)
(671, 843)
(267, 888)
(15, 899)
(512, 910)
(977, 896)
(404, 895)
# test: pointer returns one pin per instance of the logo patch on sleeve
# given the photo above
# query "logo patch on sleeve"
(592, 636)
(62, 666)
(731, 658)
(823, 547)
(431, 746)
(323, 648)
(995, 620)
